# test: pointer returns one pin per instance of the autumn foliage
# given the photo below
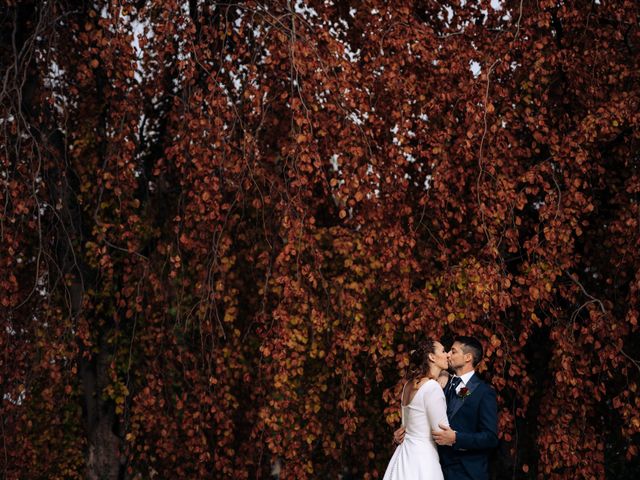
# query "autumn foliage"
(224, 224)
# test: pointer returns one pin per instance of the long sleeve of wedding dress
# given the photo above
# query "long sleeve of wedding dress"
(435, 405)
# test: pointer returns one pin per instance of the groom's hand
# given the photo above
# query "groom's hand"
(398, 435)
(446, 436)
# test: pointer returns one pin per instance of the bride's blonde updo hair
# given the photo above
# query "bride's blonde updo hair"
(419, 359)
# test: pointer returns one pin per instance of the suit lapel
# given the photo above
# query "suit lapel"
(451, 397)
(474, 382)
(447, 387)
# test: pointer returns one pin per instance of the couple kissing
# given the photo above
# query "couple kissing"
(449, 423)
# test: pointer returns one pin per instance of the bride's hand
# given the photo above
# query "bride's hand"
(398, 435)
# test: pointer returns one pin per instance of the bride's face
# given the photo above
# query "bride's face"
(440, 356)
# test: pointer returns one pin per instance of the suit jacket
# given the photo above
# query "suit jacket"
(475, 420)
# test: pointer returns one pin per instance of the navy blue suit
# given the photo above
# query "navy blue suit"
(475, 420)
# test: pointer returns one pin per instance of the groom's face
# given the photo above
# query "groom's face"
(456, 356)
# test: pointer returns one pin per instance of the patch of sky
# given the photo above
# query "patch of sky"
(55, 81)
(475, 68)
(395, 140)
(410, 158)
(41, 286)
(322, 95)
(265, 53)
(237, 23)
(450, 13)
(301, 8)
(238, 77)
(369, 169)
(358, 117)
(16, 401)
(334, 162)
(140, 28)
(55, 73)
(350, 54)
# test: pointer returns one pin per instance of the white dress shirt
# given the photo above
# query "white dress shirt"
(465, 379)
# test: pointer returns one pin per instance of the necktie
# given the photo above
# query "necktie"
(455, 381)
(451, 393)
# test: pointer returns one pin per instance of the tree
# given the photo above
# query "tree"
(224, 225)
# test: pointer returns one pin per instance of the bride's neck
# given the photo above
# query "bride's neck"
(434, 372)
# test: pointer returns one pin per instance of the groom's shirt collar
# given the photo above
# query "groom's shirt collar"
(466, 377)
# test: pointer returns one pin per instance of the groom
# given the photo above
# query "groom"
(465, 445)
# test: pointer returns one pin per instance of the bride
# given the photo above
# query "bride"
(423, 408)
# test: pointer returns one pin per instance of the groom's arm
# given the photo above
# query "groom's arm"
(486, 436)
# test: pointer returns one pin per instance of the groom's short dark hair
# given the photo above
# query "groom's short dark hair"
(471, 345)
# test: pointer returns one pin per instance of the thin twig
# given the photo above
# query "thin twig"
(481, 172)
(635, 362)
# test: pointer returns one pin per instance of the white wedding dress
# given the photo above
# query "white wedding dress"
(416, 458)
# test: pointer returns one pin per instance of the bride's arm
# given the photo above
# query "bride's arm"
(435, 405)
